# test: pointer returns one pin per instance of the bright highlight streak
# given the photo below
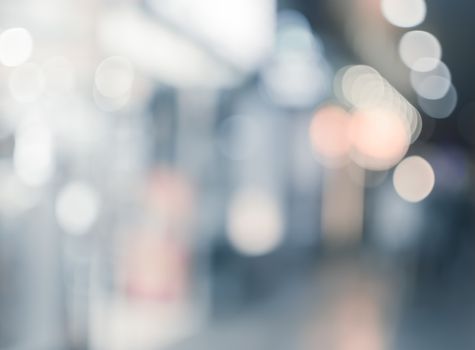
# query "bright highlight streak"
(220, 24)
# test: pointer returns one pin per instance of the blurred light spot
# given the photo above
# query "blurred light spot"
(413, 179)
(329, 134)
(433, 87)
(16, 46)
(255, 224)
(77, 207)
(59, 75)
(364, 88)
(426, 64)
(404, 13)
(441, 108)
(433, 84)
(380, 138)
(33, 155)
(26, 82)
(114, 77)
(420, 50)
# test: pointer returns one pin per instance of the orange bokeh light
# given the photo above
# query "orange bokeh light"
(379, 138)
(329, 134)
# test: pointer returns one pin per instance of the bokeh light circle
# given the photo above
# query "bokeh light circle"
(114, 77)
(440, 108)
(414, 179)
(254, 225)
(380, 138)
(16, 46)
(77, 207)
(329, 134)
(404, 13)
(433, 84)
(420, 50)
